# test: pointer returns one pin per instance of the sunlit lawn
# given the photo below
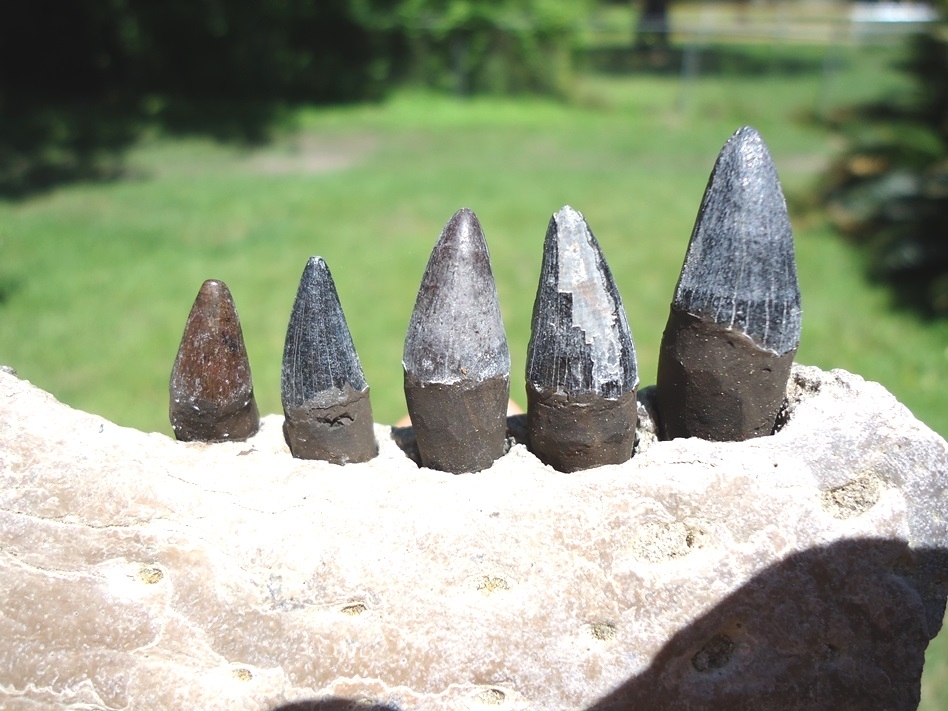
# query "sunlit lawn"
(96, 280)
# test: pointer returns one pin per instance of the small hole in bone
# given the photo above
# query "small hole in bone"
(603, 631)
(354, 609)
(852, 499)
(715, 654)
(150, 574)
(492, 697)
(489, 584)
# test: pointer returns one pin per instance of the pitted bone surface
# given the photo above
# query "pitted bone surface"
(139, 571)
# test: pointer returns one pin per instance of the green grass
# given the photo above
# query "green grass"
(96, 280)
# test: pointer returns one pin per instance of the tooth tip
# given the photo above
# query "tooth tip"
(568, 226)
(463, 226)
(746, 138)
(213, 311)
(316, 271)
(747, 133)
(214, 292)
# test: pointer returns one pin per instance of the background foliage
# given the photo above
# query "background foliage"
(888, 190)
(79, 79)
(467, 46)
(119, 50)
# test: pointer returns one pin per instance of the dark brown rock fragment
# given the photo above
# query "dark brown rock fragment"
(571, 433)
(729, 389)
(457, 424)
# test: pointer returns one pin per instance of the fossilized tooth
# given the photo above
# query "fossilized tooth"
(456, 361)
(582, 373)
(734, 325)
(211, 386)
(325, 396)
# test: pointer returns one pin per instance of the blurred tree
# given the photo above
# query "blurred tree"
(471, 46)
(314, 50)
(889, 189)
(78, 77)
(94, 49)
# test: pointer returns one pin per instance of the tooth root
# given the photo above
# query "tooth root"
(328, 413)
(456, 361)
(735, 321)
(582, 374)
(211, 386)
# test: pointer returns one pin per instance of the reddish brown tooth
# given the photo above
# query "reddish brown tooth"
(211, 386)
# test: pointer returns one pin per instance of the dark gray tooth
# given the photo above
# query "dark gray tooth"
(581, 368)
(456, 362)
(735, 319)
(325, 396)
(211, 387)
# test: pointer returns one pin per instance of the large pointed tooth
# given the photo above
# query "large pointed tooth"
(457, 366)
(211, 387)
(581, 368)
(735, 319)
(325, 396)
